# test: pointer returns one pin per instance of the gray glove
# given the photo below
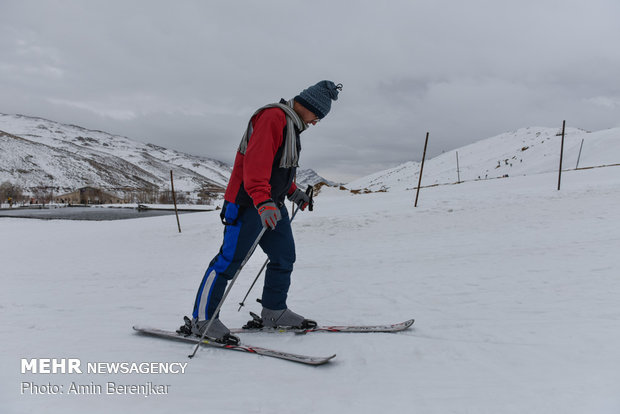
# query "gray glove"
(300, 198)
(269, 213)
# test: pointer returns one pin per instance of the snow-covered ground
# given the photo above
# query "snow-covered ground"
(514, 287)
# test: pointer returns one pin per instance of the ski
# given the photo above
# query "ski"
(303, 359)
(396, 327)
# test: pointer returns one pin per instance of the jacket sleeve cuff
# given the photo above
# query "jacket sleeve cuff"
(292, 189)
(261, 200)
(264, 202)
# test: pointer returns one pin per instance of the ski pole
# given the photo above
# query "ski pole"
(230, 285)
(310, 193)
(242, 303)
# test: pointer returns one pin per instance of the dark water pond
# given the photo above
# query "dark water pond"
(84, 213)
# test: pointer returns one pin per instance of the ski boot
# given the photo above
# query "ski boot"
(218, 332)
(284, 318)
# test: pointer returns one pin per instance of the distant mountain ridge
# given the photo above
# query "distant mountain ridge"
(307, 177)
(526, 151)
(39, 153)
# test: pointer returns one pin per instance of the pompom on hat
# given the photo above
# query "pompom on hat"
(318, 98)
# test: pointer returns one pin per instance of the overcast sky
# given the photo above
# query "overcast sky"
(188, 74)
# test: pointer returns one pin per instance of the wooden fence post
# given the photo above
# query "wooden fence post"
(579, 156)
(561, 154)
(458, 171)
(421, 169)
(174, 200)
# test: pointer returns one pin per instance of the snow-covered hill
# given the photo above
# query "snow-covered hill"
(526, 151)
(307, 177)
(36, 152)
(40, 153)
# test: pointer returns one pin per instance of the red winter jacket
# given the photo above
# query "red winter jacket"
(256, 176)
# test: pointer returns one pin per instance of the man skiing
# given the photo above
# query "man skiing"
(262, 177)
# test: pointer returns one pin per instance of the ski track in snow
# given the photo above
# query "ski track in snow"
(514, 287)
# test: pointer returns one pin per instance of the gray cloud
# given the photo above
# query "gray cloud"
(187, 75)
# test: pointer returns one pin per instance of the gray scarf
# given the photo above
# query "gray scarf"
(290, 155)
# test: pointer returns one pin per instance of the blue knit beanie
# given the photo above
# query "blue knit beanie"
(318, 98)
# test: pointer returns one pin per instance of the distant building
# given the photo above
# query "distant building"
(88, 195)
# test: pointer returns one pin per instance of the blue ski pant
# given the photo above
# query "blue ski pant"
(242, 228)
